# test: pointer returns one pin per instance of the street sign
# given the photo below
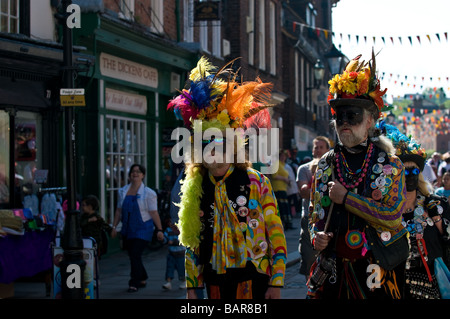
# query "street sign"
(72, 97)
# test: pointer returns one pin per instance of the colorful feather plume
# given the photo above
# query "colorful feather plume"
(219, 98)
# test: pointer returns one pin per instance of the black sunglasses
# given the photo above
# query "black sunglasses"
(412, 171)
(352, 116)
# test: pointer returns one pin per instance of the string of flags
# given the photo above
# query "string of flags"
(412, 39)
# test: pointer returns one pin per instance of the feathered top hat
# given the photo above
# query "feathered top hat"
(219, 101)
(358, 86)
(406, 147)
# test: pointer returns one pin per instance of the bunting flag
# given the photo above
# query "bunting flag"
(412, 39)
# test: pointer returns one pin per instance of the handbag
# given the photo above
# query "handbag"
(443, 277)
(387, 256)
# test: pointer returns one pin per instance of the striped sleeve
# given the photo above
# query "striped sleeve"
(386, 213)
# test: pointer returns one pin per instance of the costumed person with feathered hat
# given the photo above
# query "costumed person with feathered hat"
(358, 197)
(229, 218)
(426, 218)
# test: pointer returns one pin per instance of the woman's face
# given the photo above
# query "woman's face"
(136, 175)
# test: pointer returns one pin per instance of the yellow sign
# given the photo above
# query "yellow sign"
(72, 97)
(72, 100)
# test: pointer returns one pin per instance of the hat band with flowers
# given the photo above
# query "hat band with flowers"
(357, 86)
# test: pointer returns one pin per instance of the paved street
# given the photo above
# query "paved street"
(114, 271)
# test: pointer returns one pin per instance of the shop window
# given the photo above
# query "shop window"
(4, 160)
(125, 144)
(9, 16)
(27, 156)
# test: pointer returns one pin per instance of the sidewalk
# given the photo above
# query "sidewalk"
(114, 274)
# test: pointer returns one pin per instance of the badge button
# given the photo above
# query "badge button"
(253, 223)
(394, 171)
(243, 211)
(321, 213)
(325, 201)
(380, 159)
(430, 222)
(322, 163)
(388, 182)
(376, 194)
(319, 174)
(241, 200)
(325, 178)
(418, 211)
(257, 250)
(252, 204)
(380, 181)
(440, 210)
(385, 236)
(263, 245)
(377, 168)
(243, 226)
(387, 169)
(254, 214)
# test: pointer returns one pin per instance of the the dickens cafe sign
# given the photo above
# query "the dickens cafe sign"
(126, 70)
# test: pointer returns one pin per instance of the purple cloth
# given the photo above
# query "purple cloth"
(25, 256)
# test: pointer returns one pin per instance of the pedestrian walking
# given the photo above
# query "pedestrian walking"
(137, 210)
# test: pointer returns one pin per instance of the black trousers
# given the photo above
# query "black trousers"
(135, 247)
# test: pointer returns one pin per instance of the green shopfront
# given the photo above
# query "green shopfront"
(125, 119)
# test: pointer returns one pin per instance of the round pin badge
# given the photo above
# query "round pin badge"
(322, 163)
(241, 200)
(377, 168)
(419, 211)
(382, 154)
(380, 181)
(263, 245)
(376, 194)
(325, 178)
(388, 182)
(380, 159)
(385, 236)
(243, 226)
(440, 210)
(325, 201)
(253, 223)
(319, 174)
(257, 250)
(321, 213)
(254, 214)
(430, 222)
(394, 171)
(387, 169)
(252, 204)
(243, 211)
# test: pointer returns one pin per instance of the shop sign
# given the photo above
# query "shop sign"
(129, 71)
(72, 97)
(206, 10)
(125, 102)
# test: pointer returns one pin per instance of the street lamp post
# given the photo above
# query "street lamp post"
(73, 265)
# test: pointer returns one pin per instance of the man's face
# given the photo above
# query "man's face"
(319, 148)
(352, 125)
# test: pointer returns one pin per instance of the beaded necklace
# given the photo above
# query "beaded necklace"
(358, 176)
